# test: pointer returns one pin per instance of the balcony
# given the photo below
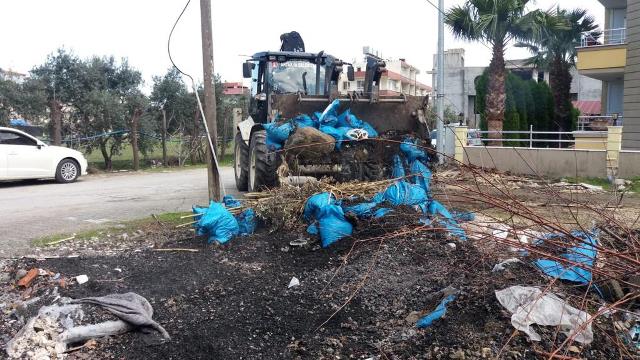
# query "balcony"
(603, 56)
(609, 37)
(598, 122)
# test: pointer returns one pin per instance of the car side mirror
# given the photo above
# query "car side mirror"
(39, 146)
(351, 76)
(247, 68)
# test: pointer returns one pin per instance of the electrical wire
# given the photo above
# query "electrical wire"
(195, 91)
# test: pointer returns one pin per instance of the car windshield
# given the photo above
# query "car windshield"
(287, 77)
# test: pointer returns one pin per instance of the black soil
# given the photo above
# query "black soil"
(232, 301)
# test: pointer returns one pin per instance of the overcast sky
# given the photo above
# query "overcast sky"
(138, 30)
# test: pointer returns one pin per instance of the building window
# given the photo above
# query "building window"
(360, 85)
(346, 85)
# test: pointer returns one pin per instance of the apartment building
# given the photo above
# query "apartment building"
(613, 56)
(399, 78)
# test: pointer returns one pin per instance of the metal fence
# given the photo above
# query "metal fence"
(530, 139)
(598, 122)
(606, 37)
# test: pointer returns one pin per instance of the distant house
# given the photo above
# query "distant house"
(234, 88)
(11, 75)
(399, 78)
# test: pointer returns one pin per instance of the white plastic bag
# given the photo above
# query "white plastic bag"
(530, 306)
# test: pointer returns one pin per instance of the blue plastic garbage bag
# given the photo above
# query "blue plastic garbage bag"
(370, 130)
(315, 203)
(583, 254)
(378, 198)
(18, 122)
(326, 218)
(330, 110)
(436, 314)
(277, 134)
(346, 119)
(398, 167)
(380, 212)
(246, 222)
(216, 222)
(404, 193)
(332, 225)
(303, 120)
(229, 201)
(436, 208)
(421, 175)
(411, 150)
(340, 134)
(361, 210)
(329, 120)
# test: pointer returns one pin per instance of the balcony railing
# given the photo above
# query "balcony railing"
(606, 37)
(598, 122)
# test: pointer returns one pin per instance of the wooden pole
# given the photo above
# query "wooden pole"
(134, 138)
(209, 97)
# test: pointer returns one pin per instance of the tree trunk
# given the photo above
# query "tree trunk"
(164, 138)
(193, 147)
(108, 166)
(56, 118)
(223, 147)
(496, 95)
(134, 138)
(560, 83)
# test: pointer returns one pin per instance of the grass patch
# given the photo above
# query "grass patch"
(169, 219)
(591, 181)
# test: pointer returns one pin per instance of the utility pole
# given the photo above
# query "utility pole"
(209, 99)
(440, 86)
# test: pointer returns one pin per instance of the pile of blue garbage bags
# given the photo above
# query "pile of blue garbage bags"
(329, 122)
(326, 215)
(219, 224)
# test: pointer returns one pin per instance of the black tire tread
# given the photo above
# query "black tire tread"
(266, 162)
(242, 179)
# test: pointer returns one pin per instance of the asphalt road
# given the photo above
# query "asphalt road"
(33, 209)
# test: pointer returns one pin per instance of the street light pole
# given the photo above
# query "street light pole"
(440, 85)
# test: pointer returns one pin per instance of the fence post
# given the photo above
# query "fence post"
(461, 133)
(530, 136)
(614, 145)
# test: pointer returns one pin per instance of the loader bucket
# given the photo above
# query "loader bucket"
(399, 115)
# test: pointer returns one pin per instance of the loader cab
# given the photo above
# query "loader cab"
(282, 72)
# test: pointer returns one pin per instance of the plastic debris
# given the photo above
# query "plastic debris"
(634, 335)
(583, 254)
(421, 175)
(277, 134)
(501, 266)
(529, 305)
(436, 314)
(81, 279)
(293, 283)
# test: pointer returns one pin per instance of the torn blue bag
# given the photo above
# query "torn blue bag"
(303, 120)
(361, 210)
(583, 254)
(436, 314)
(448, 221)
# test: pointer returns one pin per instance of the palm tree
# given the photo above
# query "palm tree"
(494, 23)
(555, 49)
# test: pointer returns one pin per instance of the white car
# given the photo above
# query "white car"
(22, 156)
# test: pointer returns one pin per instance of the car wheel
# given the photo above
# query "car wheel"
(67, 171)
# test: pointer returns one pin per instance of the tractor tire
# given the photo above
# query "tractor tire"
(263, 163)
(241, 163)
